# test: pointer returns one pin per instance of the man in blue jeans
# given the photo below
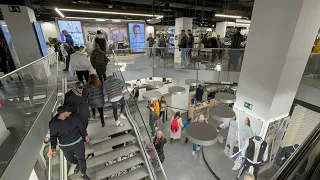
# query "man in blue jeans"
(235, 51)
(183, 47)
(69, 41)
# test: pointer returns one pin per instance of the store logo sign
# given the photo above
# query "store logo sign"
(14, 9)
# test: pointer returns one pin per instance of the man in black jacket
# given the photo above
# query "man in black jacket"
(67, 128)
(235, 51)
(183, 47)
(190, 42)
(77, 100)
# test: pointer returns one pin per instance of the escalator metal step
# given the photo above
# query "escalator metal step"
(134, 175)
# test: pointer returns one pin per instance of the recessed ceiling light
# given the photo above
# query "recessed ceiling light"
(228, 16)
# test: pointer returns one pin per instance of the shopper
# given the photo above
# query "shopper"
(158, 142)
(114, 93)
(80, 64)
(67, 128)
(136, 93)
(152, 119)
(245, 132)
(101, 40)
(197, 147)
(176, 127)
(190, 43)
(77, 100)
(96, 97)
(157, 51)
(99, 62)
(235, 51)
(183, 48)
(162, 45)
(70, 51)
(163, 109)
(185, 126)
(151, 42)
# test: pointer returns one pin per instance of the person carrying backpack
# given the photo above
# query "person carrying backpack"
(176, 127)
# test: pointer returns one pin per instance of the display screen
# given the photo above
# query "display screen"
(136, 36)
(41, 41)
(74, 28)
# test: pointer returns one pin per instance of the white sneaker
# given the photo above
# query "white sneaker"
(122, 116)
(156, 128)
(118, 123)
(193, 153)
(92, 118)
(198, 148)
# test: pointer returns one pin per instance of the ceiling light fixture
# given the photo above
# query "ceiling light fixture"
(100, 20)
(228, 16)
(87, 18)
(59, 12)
(108, 12)
(159, 17)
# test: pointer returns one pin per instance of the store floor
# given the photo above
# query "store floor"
(179, 164)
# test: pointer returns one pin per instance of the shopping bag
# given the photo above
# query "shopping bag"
(238, 163)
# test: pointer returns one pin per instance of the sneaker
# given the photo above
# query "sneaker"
(93, 118)
(118, 123)
(217, 129)
(103, 125)
(193, 153)
(85, 177)
(122, 116)
(76, 170)
(198, 148)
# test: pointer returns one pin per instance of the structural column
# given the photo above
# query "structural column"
(281, 37)
(180, 24)
(180, 101)
(22, 32)
(221, 29)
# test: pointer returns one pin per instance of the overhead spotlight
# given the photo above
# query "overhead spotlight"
(110, 6)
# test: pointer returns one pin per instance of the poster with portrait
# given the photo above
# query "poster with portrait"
(114, 34)
(137, 37)
(274, 136)
(74, 28)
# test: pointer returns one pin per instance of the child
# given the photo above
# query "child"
(184, 126)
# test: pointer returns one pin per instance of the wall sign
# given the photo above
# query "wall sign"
(248, 105)
(14, 9)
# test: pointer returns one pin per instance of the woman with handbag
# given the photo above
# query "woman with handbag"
(158, 143)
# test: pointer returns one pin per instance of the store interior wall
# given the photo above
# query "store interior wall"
(149, 29)
(33, 175)
(49, 29)
(302, 122)
(221, 28)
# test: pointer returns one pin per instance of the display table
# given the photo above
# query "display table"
(222, 113)
(201, 133)
(195, 112)
(227, 98)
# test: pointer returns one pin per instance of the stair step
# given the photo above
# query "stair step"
(98, 162)
(100, 144)
(134, 175)
(114, 168)
(95, 130)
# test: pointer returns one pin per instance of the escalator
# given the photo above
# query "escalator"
(304, 164)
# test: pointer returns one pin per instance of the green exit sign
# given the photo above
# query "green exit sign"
(248, 105)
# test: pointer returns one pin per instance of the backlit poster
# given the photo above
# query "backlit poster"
(74, 28)
(136, 36)
(40, 37)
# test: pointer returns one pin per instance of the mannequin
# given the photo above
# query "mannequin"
(255, 150)
(231, 138)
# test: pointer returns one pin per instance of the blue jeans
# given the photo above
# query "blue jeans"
(184, 60)
(194, 147)
(234, 59)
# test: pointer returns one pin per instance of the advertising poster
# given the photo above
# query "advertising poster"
(112, 32)
(136, 36)
(6, 61)
(275, 133)
(74, 28)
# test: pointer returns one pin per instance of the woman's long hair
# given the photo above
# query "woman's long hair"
(93, 79)
(161, 134)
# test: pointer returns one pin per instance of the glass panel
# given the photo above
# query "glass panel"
(312, 71)
(22, 95)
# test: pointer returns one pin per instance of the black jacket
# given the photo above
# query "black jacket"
(236, 40)
(183, 42)
(159, 148)
(199, 94)
(78, 104)
(102, 43)
(190, 41)
(67, 131)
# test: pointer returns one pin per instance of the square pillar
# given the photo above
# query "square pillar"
(180, 24)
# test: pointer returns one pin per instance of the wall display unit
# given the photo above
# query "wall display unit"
(171, 32)
(41, 41)
(74, 28)
(6, 64)
(110, 32)
(195, 112)
(137, 37)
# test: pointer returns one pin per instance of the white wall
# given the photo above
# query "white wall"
(49, 29)
(149, 29)
(33, 175)
(4, 132)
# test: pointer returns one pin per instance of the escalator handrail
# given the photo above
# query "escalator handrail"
(290, 165)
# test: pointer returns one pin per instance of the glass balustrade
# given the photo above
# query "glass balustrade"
(23, 94)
